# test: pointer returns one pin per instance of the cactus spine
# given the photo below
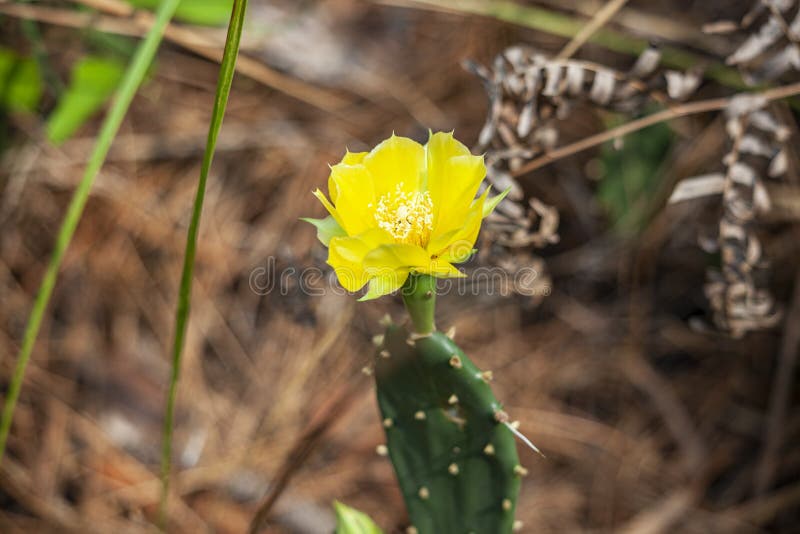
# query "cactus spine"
(455, 458)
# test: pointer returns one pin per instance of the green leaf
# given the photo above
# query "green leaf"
(351, 521)
(630, 176)
(327, 228)
(20, 82)
(92, 83)
(202, 12)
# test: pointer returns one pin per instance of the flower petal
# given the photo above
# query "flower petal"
(385, 284)
(441, 269)
(461, 245)
(461, 178)
(395, 161)
(328, 206)
(346, 256)
(354, 158)
(441, 146)
(350, 158)
(355, 197)
(395, 256)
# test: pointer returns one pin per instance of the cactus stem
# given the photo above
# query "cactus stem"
(419, 295)
(377, 340)
(501, 417)
(520, 471)
(382, 450)
(443, 413)
(385, 354)
(388, 422)
(507, 505)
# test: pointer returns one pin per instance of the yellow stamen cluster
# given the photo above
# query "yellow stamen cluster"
(406, 215)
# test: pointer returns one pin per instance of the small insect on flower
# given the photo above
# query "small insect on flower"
(402, 208)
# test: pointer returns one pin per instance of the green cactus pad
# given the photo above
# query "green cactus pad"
(456, 462)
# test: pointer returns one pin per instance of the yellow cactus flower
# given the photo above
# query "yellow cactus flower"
(402, 208)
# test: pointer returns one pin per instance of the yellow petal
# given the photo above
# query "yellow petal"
(354, 158)
(333, 192)
(396, 161)
(462, 178)
(383, 285)
(441, 242)
(346, 256)
(462, 243)
(395, 256)
(328, 206)
(441, 146)
(441, 269)
(350, 158)
(356, 197)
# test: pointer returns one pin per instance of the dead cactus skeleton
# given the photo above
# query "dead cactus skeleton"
(528, 92)
(771, 40)
(738, 292)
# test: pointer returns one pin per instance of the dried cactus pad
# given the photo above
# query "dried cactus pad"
(455, 460)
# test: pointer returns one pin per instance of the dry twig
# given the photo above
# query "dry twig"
(603, 15)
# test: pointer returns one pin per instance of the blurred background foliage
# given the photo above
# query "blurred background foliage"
(204, 12)
(630, 174)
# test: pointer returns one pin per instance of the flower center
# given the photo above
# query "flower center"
(407, 216)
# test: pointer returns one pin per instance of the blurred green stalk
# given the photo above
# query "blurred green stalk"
(224, 81)
(130, 84)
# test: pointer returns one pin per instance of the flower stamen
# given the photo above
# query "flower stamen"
(406, 216)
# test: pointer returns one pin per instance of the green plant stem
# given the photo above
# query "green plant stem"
(419, 296)
(226, 72)
(130, 84)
